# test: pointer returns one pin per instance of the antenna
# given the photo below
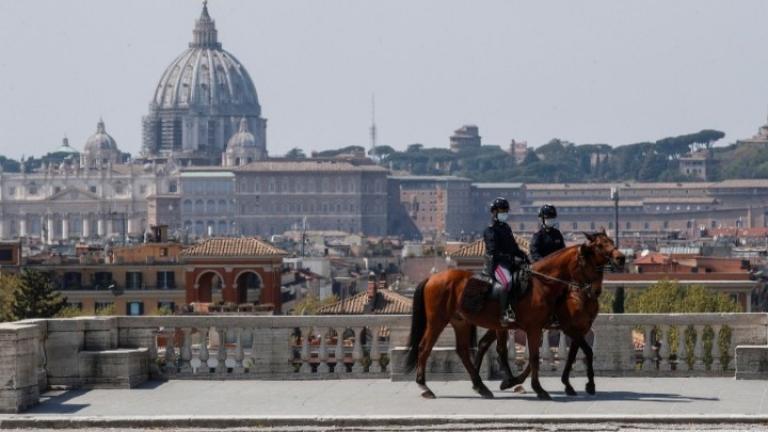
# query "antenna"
(373, 122)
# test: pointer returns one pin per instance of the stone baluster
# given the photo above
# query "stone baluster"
(357, 351)
(322, 355)
(186, 350)
(338, 355)
(665, 336)
(682, 349)
(526, 354)
(239, 353)
(305, 355)
(648, 357)
(221, 355)
(547, 360)
(204, 354)
(698, 348)
(375, 352)
(562, 350)
(170, 351)
(717, 365)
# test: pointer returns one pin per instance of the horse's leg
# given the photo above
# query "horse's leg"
(463, 336)
(425, 347)
(534, 343)
(482, 347)
(588, 360)
(565, 379)
(502, 339)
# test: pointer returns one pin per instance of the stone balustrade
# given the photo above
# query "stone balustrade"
(87, 351)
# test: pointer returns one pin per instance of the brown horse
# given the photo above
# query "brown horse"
(575, 315)
(436, 304)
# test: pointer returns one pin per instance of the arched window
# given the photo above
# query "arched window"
(210, 207)
(199, 206)
(186, 206)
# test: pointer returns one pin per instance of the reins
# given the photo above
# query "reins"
(583, 288)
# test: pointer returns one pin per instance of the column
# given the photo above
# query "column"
(65, 227)
(110, 227)
(23, 226)
(4, 231)
(50, 232)
(86, 227)
(130, 226)
(100, 227)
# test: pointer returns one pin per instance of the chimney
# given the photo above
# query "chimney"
(372, 288)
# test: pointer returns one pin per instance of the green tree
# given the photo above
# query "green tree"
(295, 153)
(36, 296)
(671, 297)
(9, 285)
(617, 306)
(310, 304)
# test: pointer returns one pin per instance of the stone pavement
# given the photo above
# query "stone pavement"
(711, 401)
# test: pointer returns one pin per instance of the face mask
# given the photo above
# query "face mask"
(502, 217)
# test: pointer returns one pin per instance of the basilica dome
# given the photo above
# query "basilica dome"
(99, 141)
(206, 76)
(243, 137)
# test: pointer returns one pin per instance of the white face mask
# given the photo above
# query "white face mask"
(502, 216)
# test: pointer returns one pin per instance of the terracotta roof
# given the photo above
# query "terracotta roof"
(388, 302)
(308, 165)
(739, 232)
(477, 248)
(233, 246)
(653, 258)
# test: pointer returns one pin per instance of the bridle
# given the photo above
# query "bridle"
(584, 288)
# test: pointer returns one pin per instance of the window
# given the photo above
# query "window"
(102, 280)
(167, 305)
(102, 307)
(575, 225)
(172, 187)
(134, 308)
(56, 189)
(163, 252)
(72, 281)
(628, 225)
(166, 280)
(12, 191)
(143, 189)
(133, 280)
(666, 224)
(76, 305)
(92, 189)
(32, 189)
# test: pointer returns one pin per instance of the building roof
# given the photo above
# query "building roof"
(653, 258)
(477, 248)
(309, 165)
(415, 178)
(233, 247)
(585, 203)
(620, 185)
(497, 185)
(387, 302)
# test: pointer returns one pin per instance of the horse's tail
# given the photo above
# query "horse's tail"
(418, 327)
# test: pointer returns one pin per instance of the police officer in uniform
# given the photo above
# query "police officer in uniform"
(502, 256)
(547, 239)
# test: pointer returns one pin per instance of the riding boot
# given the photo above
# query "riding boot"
(507, 315)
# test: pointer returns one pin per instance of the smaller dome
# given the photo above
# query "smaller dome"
(101, 140)
(243, 137)
(65, 148)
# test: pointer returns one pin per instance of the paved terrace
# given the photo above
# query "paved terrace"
(619, 401)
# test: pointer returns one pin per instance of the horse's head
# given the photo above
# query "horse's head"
(602, 250)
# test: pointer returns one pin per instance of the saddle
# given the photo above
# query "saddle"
(481, 288)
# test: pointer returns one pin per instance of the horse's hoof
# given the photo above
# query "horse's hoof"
(507, 383)
(428, 394)
(519, 389)
(544, 396)
(591, 388)
(484, 392)
(570, 391)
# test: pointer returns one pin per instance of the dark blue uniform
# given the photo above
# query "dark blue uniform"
(501, 247)
(546, 241)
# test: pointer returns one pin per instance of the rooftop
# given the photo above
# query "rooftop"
(387, 302)
(233, 247)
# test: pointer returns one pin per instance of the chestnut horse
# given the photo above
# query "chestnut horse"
(575, 315)
(436, 304)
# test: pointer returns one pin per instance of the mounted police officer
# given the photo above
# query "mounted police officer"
(547, 239)
(502, 257)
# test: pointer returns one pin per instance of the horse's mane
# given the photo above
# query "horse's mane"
(554, 255)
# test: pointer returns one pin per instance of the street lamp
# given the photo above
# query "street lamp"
(615, 199)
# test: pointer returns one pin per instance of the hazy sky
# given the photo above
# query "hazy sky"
(591, 72)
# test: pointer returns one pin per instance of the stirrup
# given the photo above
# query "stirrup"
(508, 318)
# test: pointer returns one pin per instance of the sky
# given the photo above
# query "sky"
(613, 72)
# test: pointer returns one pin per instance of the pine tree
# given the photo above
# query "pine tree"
(36, 296)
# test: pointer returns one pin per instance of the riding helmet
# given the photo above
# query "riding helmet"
(500, 204)
(547, 211)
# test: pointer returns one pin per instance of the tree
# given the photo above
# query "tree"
(310, 304)
(670, 297)
(36, 296)
(9, 285)
(295, 153)
(618, 301)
